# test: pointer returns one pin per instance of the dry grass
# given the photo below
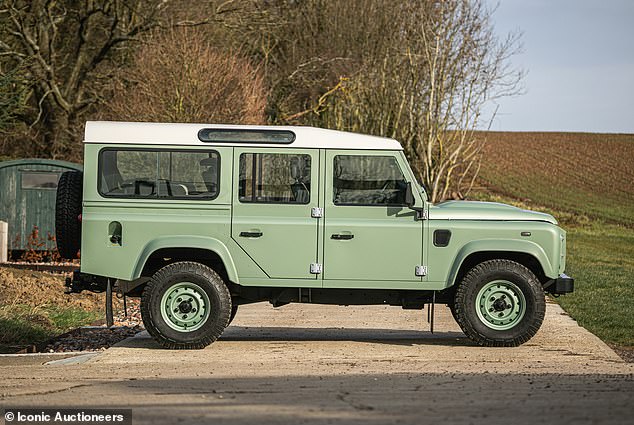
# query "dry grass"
(37, 290)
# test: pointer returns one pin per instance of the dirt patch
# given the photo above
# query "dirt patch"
(626, 353)
(544, 169)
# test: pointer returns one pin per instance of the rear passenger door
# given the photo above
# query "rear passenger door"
(274, 191)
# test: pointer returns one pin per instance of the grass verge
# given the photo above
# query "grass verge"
(601, 259)
(22, 325)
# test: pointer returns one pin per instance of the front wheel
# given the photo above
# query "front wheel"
(185, 305)
(500, 303)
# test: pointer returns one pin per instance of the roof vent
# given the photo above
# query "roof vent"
(274, 137)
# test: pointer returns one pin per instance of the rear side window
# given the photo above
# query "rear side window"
(151, 174)
(368, 180)
(274, 178)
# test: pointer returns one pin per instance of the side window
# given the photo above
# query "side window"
(368, 180)
(159, 174)
(274, 178)
(131, 173)
(188, 174)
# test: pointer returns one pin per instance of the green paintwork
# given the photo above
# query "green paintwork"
(490, 211)
(24, 208)
(500, 305)
(185, 307)
(388, 242)
(468, 239)
(289, 234)
(190, 241)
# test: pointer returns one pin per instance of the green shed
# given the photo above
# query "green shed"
(27, 197)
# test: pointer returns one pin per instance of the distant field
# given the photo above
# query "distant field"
(589, 174)
(587, 182)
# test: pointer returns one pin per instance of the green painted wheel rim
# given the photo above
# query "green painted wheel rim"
(500, 305)
(185, 307)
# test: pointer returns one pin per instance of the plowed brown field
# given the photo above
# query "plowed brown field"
(587, 174)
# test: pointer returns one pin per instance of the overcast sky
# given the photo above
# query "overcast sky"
(579, 55)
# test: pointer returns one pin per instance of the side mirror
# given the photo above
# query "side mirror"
(410, 201)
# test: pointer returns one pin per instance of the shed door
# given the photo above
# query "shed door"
(35, 197)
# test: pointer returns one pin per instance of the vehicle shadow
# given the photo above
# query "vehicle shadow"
(387, 336)
(296, 334)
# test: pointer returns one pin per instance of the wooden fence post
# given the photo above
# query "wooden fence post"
(4, 242)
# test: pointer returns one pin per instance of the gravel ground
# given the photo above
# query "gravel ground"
(133, 317)
(90, 339)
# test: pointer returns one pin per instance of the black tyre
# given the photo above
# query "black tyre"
(500, 303)
(68, 214)
(185, 305)
(452, 308)
(234, 311)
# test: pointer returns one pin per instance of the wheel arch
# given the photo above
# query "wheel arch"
(208, 251)
(529, 254)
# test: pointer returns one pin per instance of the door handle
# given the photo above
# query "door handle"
(342, 237)
(250, 234)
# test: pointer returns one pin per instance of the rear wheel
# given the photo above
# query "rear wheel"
(67, 213)
(234, 311)
(500, 303)
(452, 309)
(186, 305)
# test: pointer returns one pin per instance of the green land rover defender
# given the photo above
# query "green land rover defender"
(200, 219)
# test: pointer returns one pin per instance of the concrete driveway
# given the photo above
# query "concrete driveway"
(327, 364)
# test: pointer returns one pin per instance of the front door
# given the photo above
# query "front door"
(370, 235)
(273, 195)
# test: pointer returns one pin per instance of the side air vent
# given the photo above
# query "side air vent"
(442, 237)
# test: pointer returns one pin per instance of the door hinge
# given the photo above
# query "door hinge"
(421, 271)
(316, 212)
(315, 268)
(421, 213)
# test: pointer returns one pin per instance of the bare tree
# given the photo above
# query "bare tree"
(13, 94)
(430, 89)
(67, 50)
(420, 71)
(304, 47)
(180, 77)
(467, 67)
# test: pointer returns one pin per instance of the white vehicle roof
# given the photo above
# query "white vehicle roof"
(110, 132)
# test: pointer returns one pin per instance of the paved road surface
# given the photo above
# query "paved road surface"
(325, 364)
